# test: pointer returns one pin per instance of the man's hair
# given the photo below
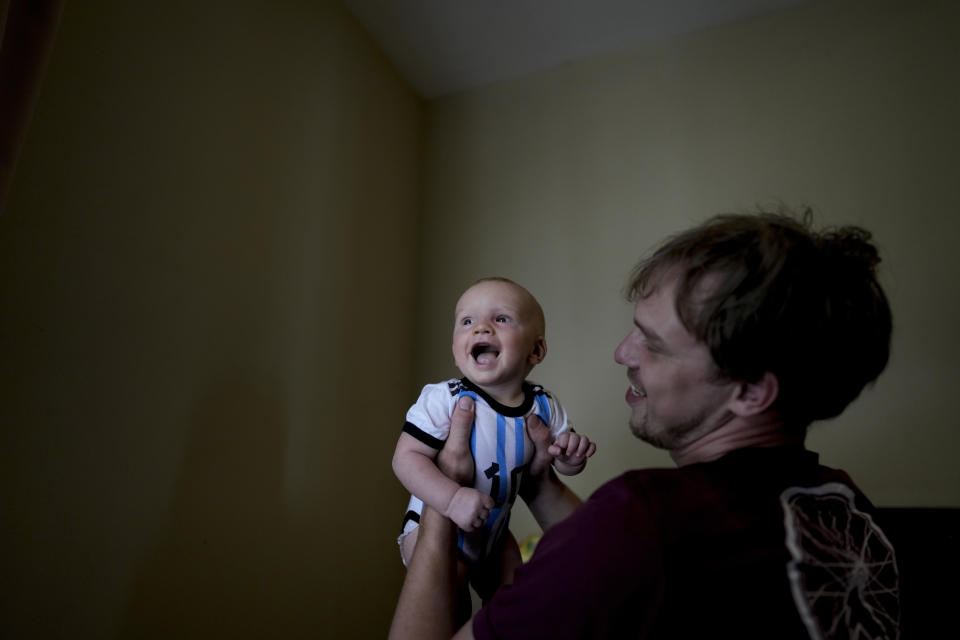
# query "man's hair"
(780, 297)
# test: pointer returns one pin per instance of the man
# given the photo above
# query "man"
(747, 328)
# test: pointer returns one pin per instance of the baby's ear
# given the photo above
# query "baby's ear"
(539, 351)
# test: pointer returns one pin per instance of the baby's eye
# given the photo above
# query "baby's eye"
(466, 322)
(503, 318)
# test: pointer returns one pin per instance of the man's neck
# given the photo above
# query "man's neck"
(764, 430)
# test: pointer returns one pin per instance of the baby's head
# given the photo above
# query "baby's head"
(498, 335)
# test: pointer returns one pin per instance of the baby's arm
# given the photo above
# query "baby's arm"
(414, 466)
(570, 452)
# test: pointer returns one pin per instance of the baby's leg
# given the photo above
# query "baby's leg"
(498, 569)
(464, 610)
(509, 558)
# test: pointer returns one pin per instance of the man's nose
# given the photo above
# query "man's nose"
(620, 353)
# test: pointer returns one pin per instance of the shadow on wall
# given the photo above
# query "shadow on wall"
(218, 569)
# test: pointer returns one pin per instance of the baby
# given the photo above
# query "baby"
(498, 337)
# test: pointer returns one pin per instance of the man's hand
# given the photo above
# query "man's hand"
(550, 500)
(468, 508)
(540, 434)
(454, 459)
(569, 452)
(428, 601)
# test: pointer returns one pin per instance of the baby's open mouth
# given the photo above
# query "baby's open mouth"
(484, 353)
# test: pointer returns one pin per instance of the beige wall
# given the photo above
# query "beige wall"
(206, 262)
(562, 179)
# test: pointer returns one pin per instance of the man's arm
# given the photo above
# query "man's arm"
(427, 603)
(548, 498)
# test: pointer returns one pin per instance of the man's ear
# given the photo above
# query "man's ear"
(539, 351)
(756, 397)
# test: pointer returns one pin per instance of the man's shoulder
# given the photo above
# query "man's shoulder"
(620, 514)
(642, 482)
(633, 493)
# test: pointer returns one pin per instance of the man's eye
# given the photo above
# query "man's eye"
(651, 346)
(645, 343)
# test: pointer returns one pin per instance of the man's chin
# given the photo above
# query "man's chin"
(639, 431)
(643, 433)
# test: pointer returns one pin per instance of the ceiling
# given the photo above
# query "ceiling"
(444, 46)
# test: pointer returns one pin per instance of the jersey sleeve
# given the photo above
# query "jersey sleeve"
(429, 419)
(559, 422)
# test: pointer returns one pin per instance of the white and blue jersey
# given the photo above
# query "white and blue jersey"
(498, 441)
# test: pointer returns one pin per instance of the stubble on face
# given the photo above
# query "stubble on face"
(682, 394)
(671, 437)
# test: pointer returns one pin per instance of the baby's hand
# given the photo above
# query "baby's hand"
(469, 508)
(570, 451)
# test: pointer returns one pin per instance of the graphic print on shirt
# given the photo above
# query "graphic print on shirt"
(842, 571)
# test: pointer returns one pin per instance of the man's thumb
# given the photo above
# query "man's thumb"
(538, 431)
(461, 422)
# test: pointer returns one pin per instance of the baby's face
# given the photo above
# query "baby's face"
(497, 335)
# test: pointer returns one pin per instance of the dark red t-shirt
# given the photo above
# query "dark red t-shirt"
(763, 543)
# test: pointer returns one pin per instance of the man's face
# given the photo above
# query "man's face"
(497, 336)
(674, 394)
